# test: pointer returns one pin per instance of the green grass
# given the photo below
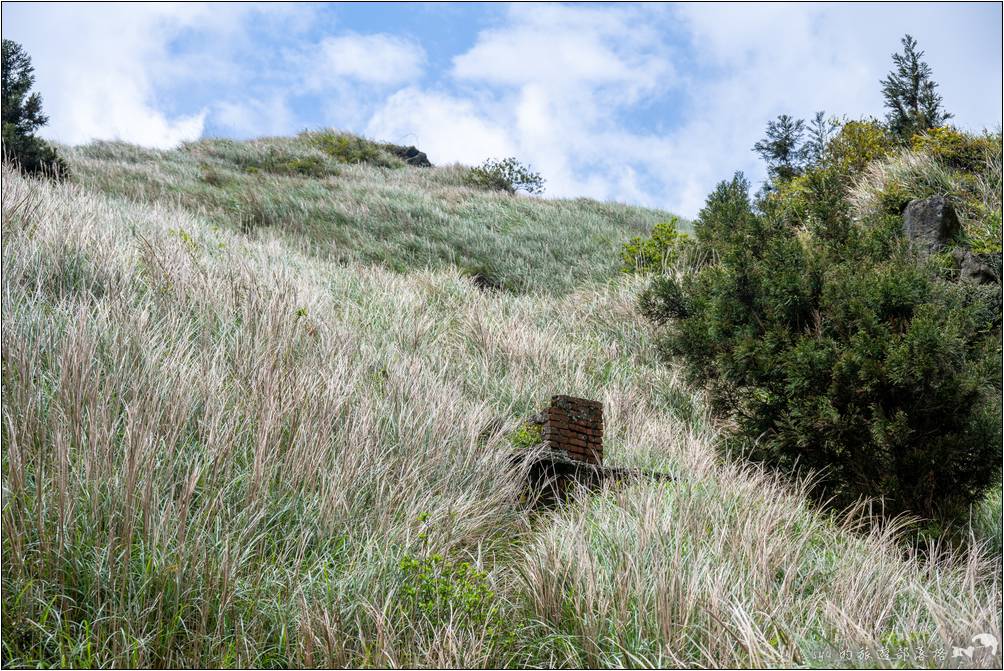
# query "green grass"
(345, 199)
(245, 449)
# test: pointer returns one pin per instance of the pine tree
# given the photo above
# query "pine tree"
(909, 91)
(781, 148)
(22, 116)
(821, 130)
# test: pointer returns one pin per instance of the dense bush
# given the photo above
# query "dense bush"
(507, 175)
(663, 249)
(348, 148)
(857, 144)
(835, 349)
(956, 149)
(22, 116)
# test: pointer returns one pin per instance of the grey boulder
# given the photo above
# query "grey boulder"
(930, 223)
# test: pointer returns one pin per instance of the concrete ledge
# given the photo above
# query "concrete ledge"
(552, 475)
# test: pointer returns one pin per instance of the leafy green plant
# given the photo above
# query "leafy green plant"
(507, 175)
(526, 436)
(442, 591)
(857, 144)
(656, 253)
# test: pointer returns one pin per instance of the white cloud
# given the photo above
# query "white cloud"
(448, 129)
(567, 48)
(546, 87)
(95, 67)
(377, 59)
(255, 117)
(111, 71)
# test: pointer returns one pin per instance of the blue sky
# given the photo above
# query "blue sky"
(649, 104)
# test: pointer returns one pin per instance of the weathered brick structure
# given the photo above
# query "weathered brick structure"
(575, 426)
(572, 454)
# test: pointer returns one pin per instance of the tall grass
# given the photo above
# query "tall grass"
(227, 450)
(302, 190)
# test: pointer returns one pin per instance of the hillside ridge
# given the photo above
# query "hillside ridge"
(345, 198)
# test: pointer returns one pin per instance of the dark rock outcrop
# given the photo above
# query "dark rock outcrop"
(930, 223)
(410, 155)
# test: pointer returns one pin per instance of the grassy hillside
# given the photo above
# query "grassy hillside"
(345, 199)
(263, 449)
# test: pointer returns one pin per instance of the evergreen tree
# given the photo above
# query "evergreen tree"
(821, 130)
(22, 116)
(781, 148)
(909, 91)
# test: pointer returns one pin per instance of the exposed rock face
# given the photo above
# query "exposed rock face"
(930, 223)
(978, 268)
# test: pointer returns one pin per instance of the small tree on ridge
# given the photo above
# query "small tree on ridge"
(909, 91)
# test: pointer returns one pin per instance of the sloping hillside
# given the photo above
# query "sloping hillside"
(227, 448)
(343, 198)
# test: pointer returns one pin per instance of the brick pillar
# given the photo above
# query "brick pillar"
(575, 425)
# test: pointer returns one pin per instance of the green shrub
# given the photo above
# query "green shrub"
(662, 250)
(442, 592)
(834, 349)
(347, 148)
(307, 166)
(955, 149)
(507, 175)
(282, 162)
(857, 144)
(726, 215)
